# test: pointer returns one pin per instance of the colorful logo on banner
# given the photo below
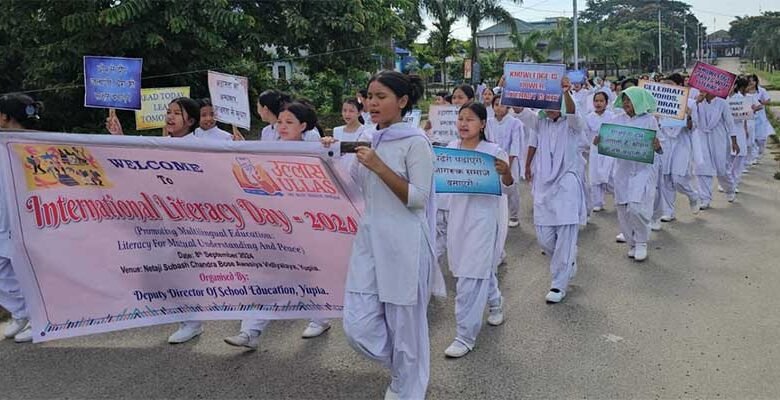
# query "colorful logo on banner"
(466, 172)
(47, 167)
(279, 178)
(112, 82)
(709, 79)
(533, 85)
(627, 143)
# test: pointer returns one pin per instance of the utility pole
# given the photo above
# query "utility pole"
(660, 55)
(576, 47)
(685, 43)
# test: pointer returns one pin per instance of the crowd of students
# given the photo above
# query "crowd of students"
(408, 231)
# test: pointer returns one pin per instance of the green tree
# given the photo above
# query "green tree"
(527, 46)
(442, 44)
(562, 38)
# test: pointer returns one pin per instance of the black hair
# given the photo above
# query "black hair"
(353, 101)
(205, 102)
(305, 113)
(442, 94)
(363, 92)
(192, 108)
(448, 98)
(606, 97)
(21, 108)
(488, 88)
(741, 84)
(402, 85)
(274, 100)
(624, 84)
(496, 97)
(676, 78)
(481, 112)
(466, 89)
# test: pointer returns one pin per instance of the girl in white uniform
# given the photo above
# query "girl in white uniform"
(269, 104)
(635, 182)
(558, 188)
(294, 120)
(508, 134)
(763, 127)
(392, 270)
(474, 248)
(17, 112)
(208, 128)
(487, 100)
(737, 158)
(716, 140)
(599, 166)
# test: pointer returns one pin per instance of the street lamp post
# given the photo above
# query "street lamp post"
(576, 47)
(660, 56)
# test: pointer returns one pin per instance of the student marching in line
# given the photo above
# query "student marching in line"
(474, 248)
(17, 112)
(635, 182)
(508, 134)
(558, 189)
(269, 104)
(717, 139)
(736, 162)
(600, 167)
(365, 113)
(294, 121)
(676, 161)
(487, 100)
(208, 124)
(353, 131)
(763, 127)
(393, 270)
(460, 96)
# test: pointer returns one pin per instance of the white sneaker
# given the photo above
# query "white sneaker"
(667, 218)
(620, 238)
(496, 314)
(736, 190)
(731, 197)
(720, 188)
(597, 209)
(555, 296)
(457, 349)
(244, 339)
(187, 331)
(704, 206)
(391, 395)
(25, 336)
(641, 252)
(655, 225)
(695, 207)
(632, 252)
(314, 329)
(513, 222)
(14, 327)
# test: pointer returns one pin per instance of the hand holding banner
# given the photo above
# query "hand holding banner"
(533, 85)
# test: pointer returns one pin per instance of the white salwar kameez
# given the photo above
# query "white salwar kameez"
(737, 159)
(392, 269)
(763, 127)
(676, 162)
(599, 166)
(508, 134)
(635, 187)
(11, 297)
(714, 128)
(474, 250)
(558, 190)
(213, 133)
(528, 117)
(271, 133)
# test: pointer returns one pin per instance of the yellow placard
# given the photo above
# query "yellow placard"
(154, 103)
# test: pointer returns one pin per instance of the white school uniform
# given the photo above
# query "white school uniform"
(762, 126)
(714, 128)
(392, 270)
(737, 159)
(676, 174)
(528, 117)
(474, 250)
(214, 134)
(271, 133)
(508, 134)
(11, 297)
(635, 187)
(600, 167)
(558, 190)
(362, 134)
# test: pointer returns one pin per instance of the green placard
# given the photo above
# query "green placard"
(627, 143)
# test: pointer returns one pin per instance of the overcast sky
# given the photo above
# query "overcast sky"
(713, 13)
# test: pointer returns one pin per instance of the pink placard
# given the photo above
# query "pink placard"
(712, 80)
(117, 237)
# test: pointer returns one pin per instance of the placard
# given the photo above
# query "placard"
(577, 75)
(533, 85)
(444, 122)
(466, 172)
(154, 106)
(160, 230)
(112, 82)
(741, 108)
(230, 97)
(413, 117)
(627, 143)
(712, 80)
(671, 100)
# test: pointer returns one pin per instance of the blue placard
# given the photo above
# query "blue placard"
(466, 172)
(577, 75)
(533, 85)
(112, 82)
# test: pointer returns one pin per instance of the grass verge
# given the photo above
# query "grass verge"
(772, 78)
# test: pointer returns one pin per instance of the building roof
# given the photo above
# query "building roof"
(502, 28)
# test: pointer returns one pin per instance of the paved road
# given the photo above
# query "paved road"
(732, 64)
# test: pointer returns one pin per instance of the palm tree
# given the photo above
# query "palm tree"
(475, 11)
(527, 46)
(562, 38)
(442, 43)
